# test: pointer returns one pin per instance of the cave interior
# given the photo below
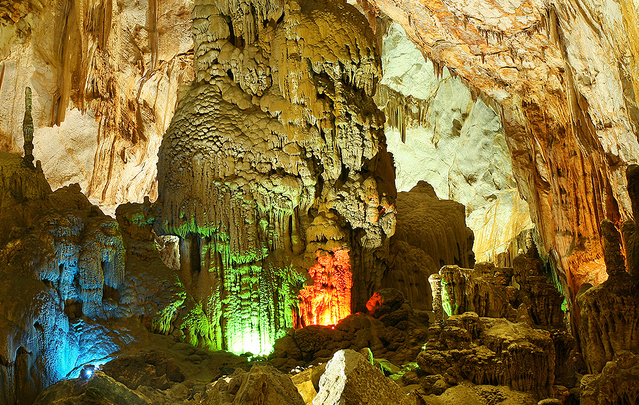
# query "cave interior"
(319, 202)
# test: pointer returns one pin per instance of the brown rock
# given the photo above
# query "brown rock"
(491, 351)
(384, 301)
(262, 385)
(350, 379)
(618, 382)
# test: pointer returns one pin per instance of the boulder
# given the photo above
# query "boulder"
(99, 389)
(350, 379)
(307, 382)
(262, 385)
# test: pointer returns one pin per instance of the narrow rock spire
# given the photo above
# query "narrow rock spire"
(27, 128)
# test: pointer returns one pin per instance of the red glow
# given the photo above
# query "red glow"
(328, 300)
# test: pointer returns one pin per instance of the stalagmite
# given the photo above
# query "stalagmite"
(27, 128)
(436, 289)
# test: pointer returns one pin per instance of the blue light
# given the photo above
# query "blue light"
(87, 372)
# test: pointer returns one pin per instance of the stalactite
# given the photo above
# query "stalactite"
(328, 300)
(402, 112)
(248, 166)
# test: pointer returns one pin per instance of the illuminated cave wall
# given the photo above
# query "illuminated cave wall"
(276, 152)
(328, 300)
(440, 132)
(564, 74)
(60, 258)
(105, 77)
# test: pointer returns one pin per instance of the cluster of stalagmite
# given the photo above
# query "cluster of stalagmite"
(496, 352)
(518, 293)
(275, 152)
(58, 255)
(608, 328)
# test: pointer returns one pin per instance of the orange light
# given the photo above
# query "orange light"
(328, 300)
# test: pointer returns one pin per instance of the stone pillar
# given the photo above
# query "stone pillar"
(27, 128)
(436, 288)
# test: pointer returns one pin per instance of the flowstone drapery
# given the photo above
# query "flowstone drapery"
(276, 152)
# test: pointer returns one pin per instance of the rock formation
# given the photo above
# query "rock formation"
(105, 76)
(521, 293)
(351, 379)
(72, 278)
(429, 233)
(490, 351)
(274, 157)
(57, 255)
(261, 385)
(608, 311)
(27, 128)
(564, 74)
(617, 382)
(441, 131)
(276, 202)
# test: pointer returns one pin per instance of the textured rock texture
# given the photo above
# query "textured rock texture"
(490, 351)
(351, 379)
(564, 74)
(100, 389)
(55, 254)
(275, 157)
(70, 275)
(439, 131)
(392, 332)
(609, 311)
(520, 294)
(617, 382)
(153, 370)
(608, 319)
(262, 385)
(429, 233)
(467, 393)
(105, 76)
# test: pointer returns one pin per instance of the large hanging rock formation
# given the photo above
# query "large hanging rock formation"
(275, 155)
